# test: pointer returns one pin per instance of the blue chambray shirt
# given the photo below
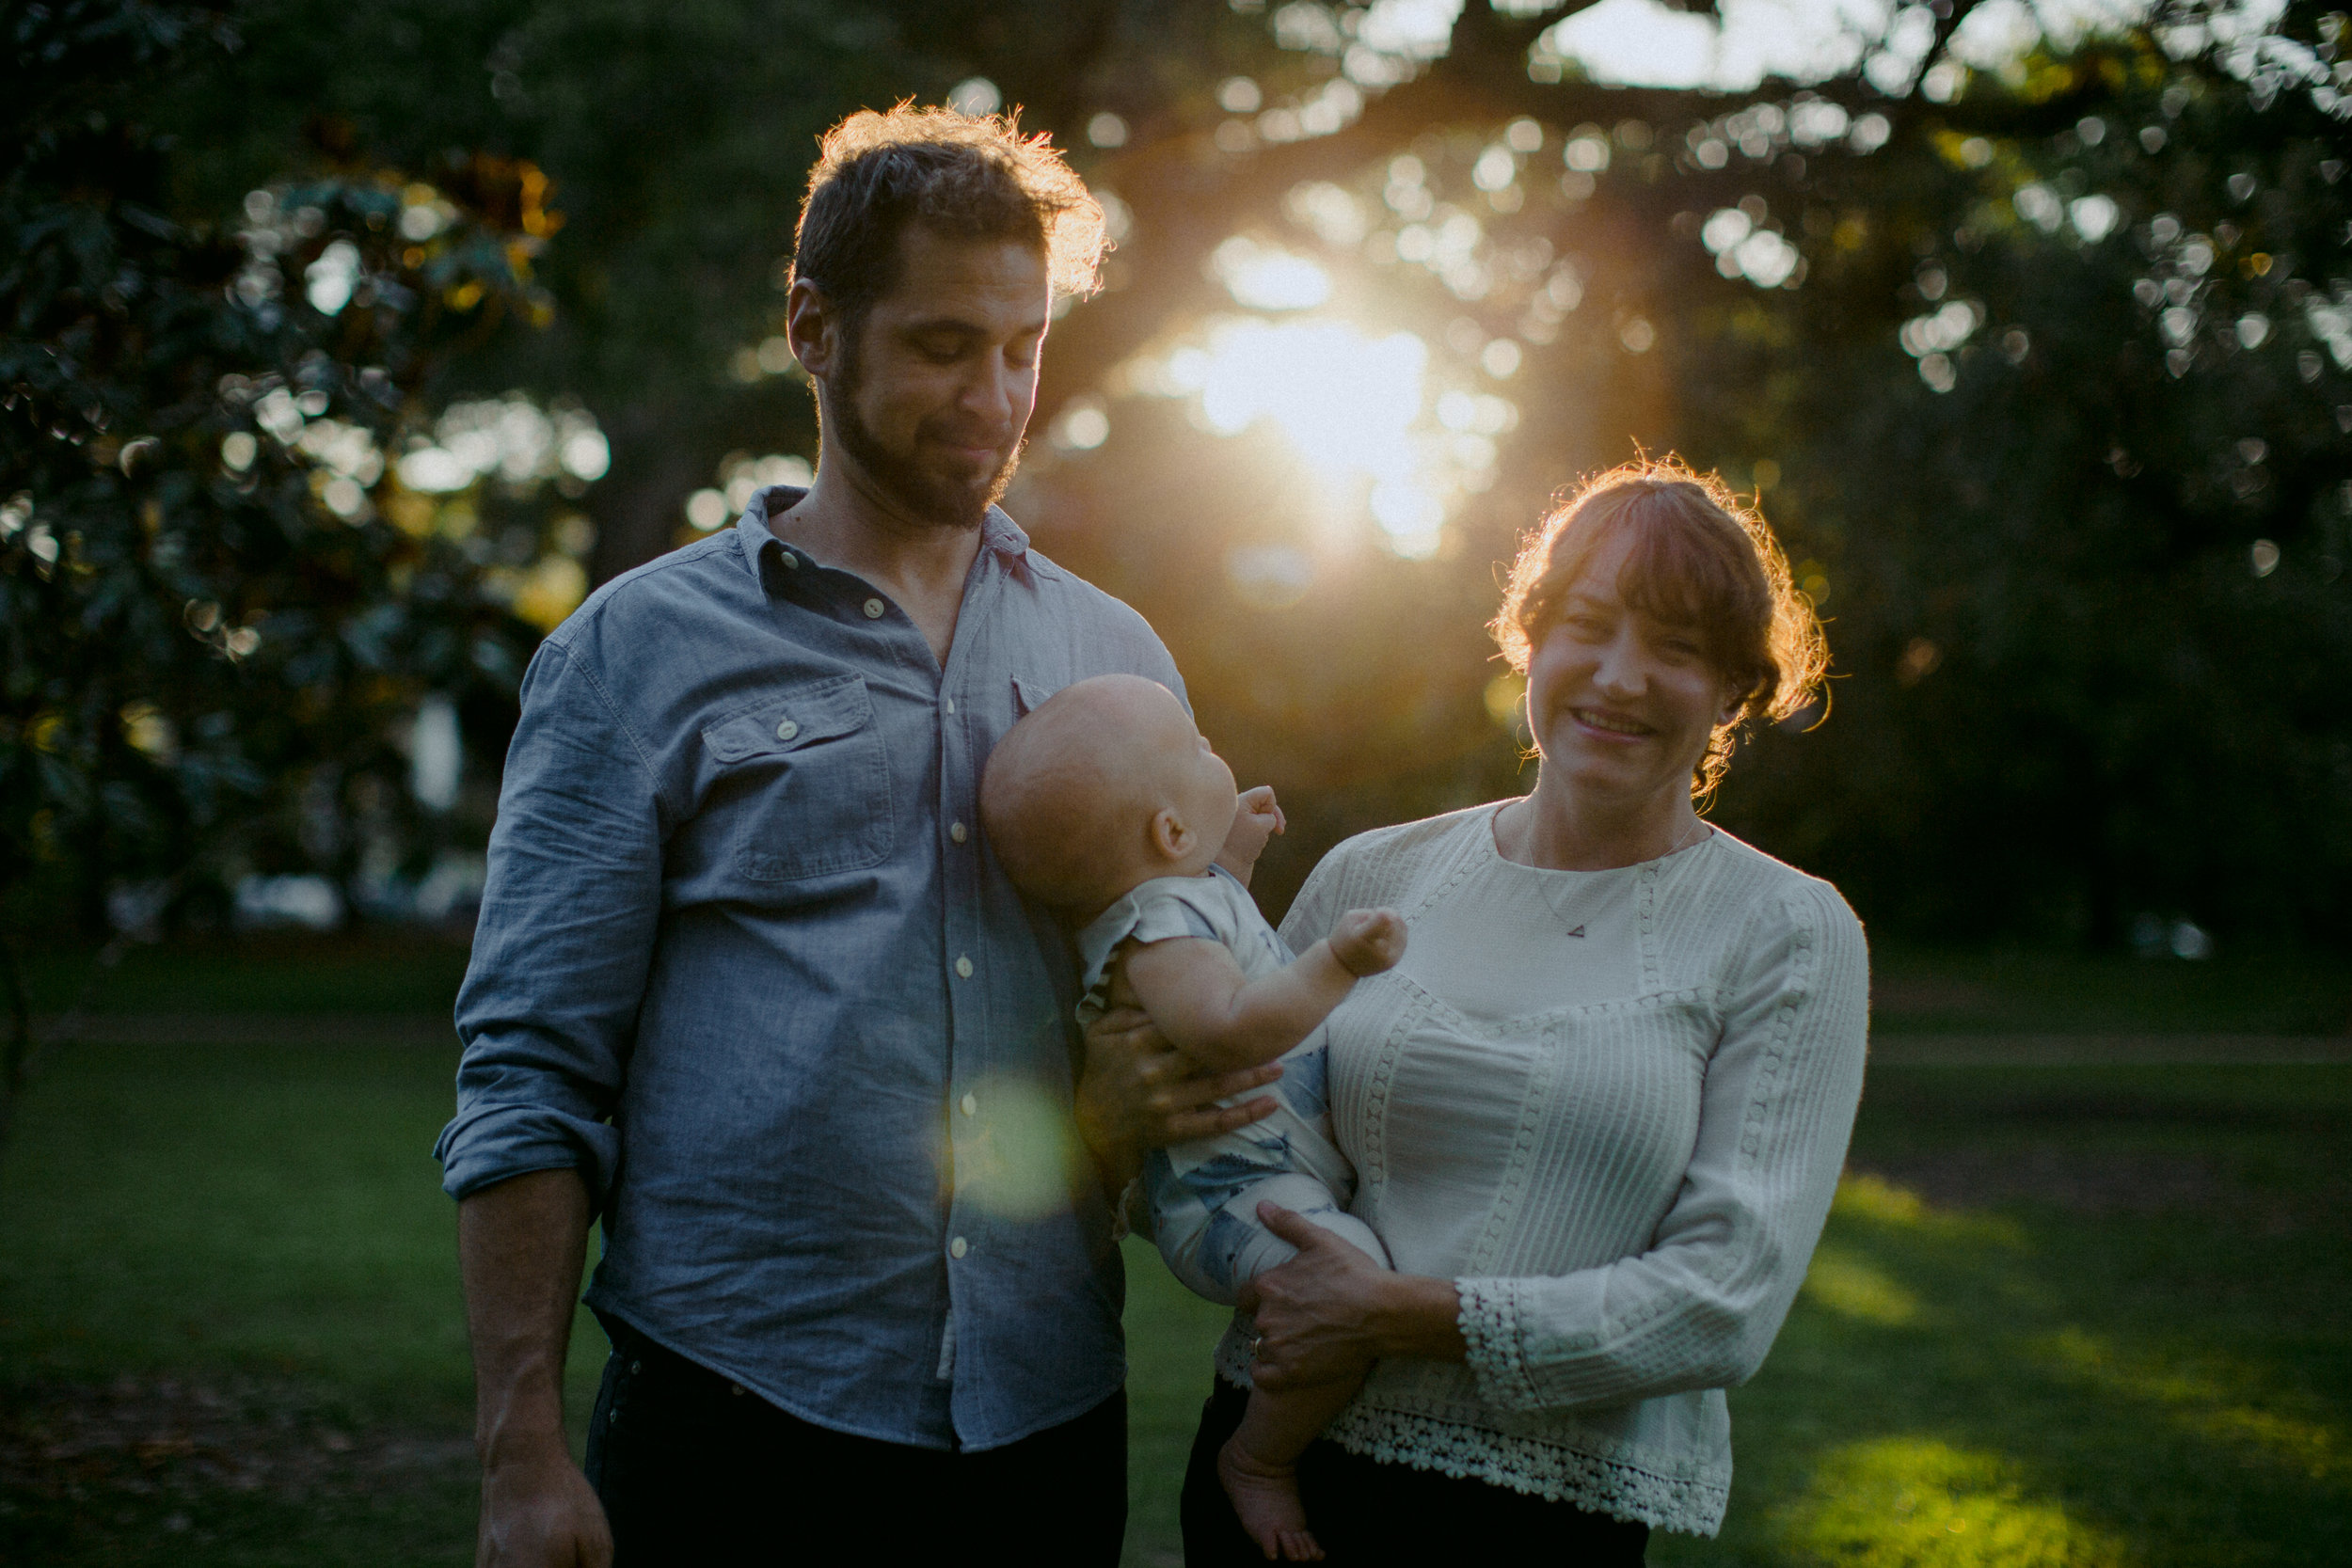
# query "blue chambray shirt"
(744, 961)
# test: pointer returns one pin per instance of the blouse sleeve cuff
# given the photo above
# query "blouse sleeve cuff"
(1489, 1322)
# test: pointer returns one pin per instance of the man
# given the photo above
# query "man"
(748, 983)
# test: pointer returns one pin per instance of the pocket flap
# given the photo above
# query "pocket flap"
(819, 710)
(1028, 696)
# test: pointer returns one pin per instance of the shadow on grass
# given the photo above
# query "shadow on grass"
(230, 1329)
(2062, 1317)
(2102, 1370)
(165, 1470)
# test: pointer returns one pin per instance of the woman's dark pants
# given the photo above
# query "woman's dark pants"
(695, 1471)
(1367, 1514)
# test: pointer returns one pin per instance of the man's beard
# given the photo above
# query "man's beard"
(940, 501)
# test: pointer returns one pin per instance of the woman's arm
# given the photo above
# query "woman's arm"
(1332, 1311)
(1699, 1308)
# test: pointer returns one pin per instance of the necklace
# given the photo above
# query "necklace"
(1699, 830)
(1515, 819)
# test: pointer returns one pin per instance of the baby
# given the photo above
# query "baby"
(1108, 806)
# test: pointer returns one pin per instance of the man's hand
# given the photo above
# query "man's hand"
(1259, 820)
(538, 1511)
(520, 1244)
(1137, 1092)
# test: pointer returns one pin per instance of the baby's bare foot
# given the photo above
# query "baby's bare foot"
(1367, 942)
(1266, 1498)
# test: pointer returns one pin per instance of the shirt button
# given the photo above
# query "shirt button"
(791, 562)
(873, 610)
(951, 706)
(785, 729)
(971, 1106)
(963, 969)
(955, 830)
(958, 1248)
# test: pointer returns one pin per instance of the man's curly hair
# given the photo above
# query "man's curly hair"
(969, 177)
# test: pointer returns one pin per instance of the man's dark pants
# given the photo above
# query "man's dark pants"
(693, 1469)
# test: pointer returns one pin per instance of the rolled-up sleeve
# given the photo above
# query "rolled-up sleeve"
(1701, 1307)
(564, 942)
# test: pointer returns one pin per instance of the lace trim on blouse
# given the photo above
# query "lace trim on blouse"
(1553, 1471)
(1557, 1472)
(1488, 1322)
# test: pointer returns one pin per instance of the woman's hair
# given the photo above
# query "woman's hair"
(1699, 557)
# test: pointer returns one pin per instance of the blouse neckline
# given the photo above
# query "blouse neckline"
(1492, 850)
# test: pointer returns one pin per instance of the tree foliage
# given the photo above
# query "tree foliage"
(2040, 363)
(219, 605)
(2042, 374)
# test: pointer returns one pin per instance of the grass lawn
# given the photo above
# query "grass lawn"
(1915, 990)
(285, 972)
(2062, 1315)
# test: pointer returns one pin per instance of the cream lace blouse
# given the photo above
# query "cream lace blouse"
(1612, 1107)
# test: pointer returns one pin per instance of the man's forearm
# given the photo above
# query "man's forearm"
(521, 1247)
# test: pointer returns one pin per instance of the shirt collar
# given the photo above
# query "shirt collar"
(998, 533)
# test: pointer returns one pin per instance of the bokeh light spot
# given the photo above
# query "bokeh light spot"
(975, 95)
(1269, 577)
(1267, 278)
(1082, 426)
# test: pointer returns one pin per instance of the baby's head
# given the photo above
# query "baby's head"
(1105, 786)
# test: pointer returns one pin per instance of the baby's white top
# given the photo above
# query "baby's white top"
(1213, 905)
(1612, 1107)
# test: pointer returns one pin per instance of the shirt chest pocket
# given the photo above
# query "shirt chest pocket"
(1029, 695)
(802, 781)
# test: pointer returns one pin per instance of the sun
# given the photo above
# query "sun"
(1358, 405)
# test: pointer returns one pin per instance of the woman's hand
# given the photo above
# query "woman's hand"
(1330, 1312)
(1137, 1092)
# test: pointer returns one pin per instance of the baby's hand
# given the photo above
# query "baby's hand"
(1367, 942)
(1258, 820)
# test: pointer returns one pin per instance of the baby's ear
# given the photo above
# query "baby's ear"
(1171, 839)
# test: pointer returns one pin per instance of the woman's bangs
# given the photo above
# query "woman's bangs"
(1675, 571)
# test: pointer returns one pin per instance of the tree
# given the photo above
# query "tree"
(220, 602)
(2070, 501)
(2040, 367)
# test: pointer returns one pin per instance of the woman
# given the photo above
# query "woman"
(1599, 1111)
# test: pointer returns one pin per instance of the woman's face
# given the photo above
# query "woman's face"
(1620, 702)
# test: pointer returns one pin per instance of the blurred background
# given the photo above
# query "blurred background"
(347, 348)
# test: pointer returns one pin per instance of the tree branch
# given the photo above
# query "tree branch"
(1187, 195)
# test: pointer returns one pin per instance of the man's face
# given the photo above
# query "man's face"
(928, 399)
